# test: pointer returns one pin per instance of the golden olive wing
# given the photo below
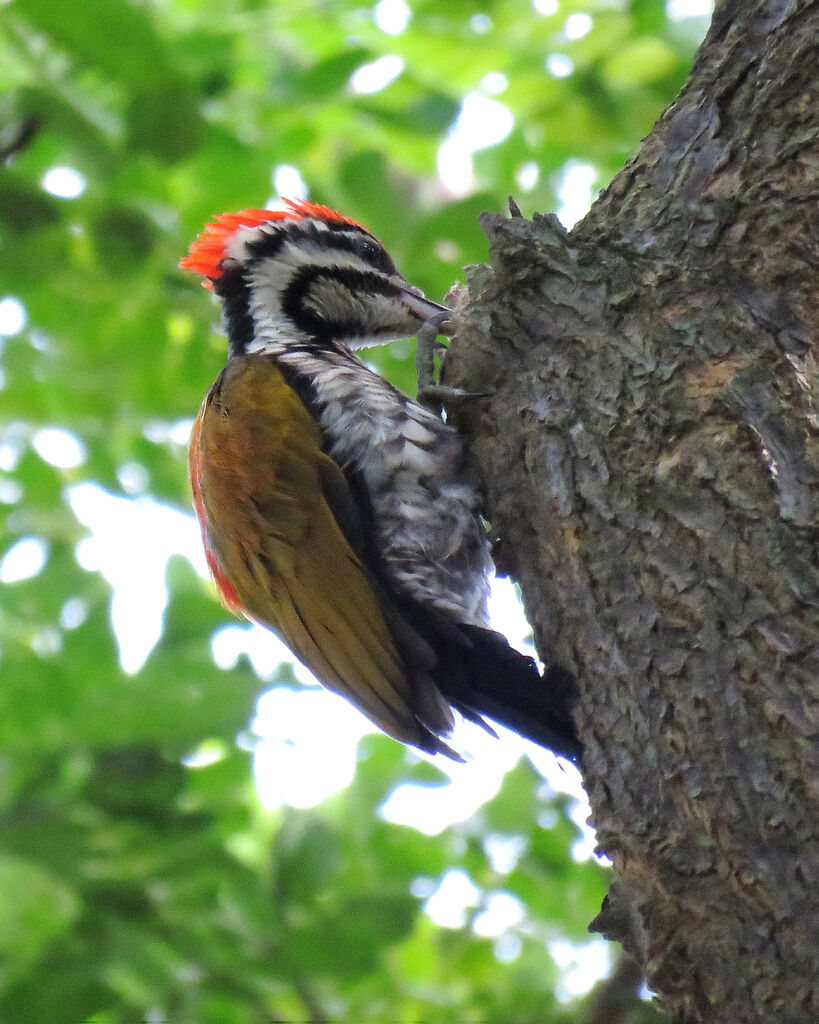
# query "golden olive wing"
(277, 552)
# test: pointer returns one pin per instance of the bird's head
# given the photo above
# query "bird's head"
(305, 274)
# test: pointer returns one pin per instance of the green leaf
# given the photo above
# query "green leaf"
(328, 77)
(24, 207)
(113, 35)
(163, 120)
(644, 60)
(515, 805)
(307, 857)
(35, 908)
(123, 237)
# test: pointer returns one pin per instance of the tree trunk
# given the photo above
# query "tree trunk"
(651, 458)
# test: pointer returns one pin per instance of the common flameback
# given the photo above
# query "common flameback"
(334, 509)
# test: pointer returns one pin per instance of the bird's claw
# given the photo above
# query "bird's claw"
(430, 394)
(433, 395)
(443, 323)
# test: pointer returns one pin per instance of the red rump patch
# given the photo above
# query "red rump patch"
(209, 249)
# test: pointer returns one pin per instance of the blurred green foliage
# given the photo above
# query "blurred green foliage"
(135, 883)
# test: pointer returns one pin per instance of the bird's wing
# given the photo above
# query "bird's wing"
(264, 493)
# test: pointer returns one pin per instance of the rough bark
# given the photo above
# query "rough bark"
(652, 465)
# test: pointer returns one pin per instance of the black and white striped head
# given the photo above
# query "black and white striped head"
(305, 274)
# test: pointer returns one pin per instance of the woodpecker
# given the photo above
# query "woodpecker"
(336, 510)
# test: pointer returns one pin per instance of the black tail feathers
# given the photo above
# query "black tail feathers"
(483, 675)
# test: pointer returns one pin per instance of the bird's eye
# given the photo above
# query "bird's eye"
(375, 255)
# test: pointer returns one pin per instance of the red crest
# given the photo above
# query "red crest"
(210, 246)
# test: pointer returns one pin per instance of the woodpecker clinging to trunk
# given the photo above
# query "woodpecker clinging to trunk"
(336, 510)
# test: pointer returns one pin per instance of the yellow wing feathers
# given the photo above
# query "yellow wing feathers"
(263, 484)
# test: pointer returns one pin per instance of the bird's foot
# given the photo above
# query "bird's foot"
(427, 345)
(434, 395)
(430, 394)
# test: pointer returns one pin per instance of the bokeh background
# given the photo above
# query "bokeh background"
(191, 830)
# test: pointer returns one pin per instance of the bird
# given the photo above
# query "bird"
(336, 510)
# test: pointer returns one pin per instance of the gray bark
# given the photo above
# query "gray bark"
(651, 456)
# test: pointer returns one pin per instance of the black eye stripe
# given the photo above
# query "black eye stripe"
(356, 282)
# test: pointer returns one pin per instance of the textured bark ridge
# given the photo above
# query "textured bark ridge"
(651, 455)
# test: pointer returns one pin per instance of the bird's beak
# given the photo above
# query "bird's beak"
(426, 310)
